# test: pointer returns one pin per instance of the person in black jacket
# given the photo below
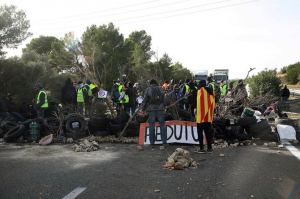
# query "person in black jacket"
(154, 104)
(285, 93)
(132, 94)
(68, 94)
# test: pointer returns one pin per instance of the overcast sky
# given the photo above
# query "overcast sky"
(201, 34)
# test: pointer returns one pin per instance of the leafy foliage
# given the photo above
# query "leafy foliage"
(13, 27)
(265, 82)
(293, 72)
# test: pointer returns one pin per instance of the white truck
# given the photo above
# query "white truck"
(221, 74)
(201, 75)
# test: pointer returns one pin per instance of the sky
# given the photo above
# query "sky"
(200, 34)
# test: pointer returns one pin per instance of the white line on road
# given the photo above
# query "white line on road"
(73, 194)
(292, 149)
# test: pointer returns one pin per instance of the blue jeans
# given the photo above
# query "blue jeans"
(160, 116)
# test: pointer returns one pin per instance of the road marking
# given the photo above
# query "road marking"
(293, 150)
(73, 194)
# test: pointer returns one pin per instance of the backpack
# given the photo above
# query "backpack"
(157, 96)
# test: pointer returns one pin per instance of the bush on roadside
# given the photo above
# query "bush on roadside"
(293, 72)
(265, 82)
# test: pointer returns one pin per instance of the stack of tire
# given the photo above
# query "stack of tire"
(98, 125)
(261, 129)
(12, 126)
(229, 132)
(10, 131)
(75, 126)
(116, 125)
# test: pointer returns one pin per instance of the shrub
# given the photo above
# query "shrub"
(283, 70)
(265, 82)
(293, 71)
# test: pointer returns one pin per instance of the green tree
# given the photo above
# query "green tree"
(13, 27)
(179, 72)
(52, 49)
(140, 39)
(164, 67)
(42, 44)
(104, 53)
(265, 82)
(293, 71)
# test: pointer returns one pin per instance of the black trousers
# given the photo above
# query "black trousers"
(207, 128)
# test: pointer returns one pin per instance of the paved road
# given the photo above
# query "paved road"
(295, 91)
(121, 171)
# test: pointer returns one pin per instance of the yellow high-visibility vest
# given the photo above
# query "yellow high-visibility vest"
(45, 105)
(80, 97)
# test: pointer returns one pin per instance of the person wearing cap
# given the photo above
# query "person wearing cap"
(41, 101)
(204, 115)
(82, 97)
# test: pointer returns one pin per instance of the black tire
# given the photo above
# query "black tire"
(17, 116)
(133, 129)
(233, 132)
(184, 115)
(7, 125)
(262, 130)
(115, 128)
(168, 117)
(75, 126)
(1, 133)
(97, 124)
(102, 133)
(52, 124)
(14, 133)
(141, 118)
(246, 121)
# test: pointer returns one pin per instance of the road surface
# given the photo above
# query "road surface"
(121, 171)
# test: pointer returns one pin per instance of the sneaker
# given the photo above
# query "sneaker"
(201, 151)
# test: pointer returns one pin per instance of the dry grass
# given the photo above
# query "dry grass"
(296, 86)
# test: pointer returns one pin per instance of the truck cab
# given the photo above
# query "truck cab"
(201, 75)
(221, 74)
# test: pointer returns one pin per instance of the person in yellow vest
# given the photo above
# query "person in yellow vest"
(204, 115)
(92, 90)
(82, 97)
(224, 88)
(41, 101)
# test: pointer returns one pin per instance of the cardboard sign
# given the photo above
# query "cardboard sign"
(177, 132)
(102, 93)
(140, 99)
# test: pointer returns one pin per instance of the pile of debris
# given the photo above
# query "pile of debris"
(180, 160)
(85, 145)
(114, 139)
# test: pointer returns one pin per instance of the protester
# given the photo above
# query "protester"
(68, 94)
(132, 94)
(285, 93)
(41, 101)
(82, 97)
(124, 98)
(154, 104)
(204, 116)
(192, 98)
(240, 93)
(223, 88)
